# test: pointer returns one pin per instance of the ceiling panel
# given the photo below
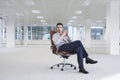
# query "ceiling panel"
(55, 11)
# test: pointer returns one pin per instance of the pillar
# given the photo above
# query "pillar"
(10, 40)
(112, 27)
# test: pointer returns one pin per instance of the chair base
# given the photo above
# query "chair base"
(63, 66)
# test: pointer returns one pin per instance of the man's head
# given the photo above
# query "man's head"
(59, 27)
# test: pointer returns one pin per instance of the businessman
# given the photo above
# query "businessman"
(63, 43)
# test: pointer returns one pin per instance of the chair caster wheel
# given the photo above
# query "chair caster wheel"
(74, 68)
(62, 69)
(51, 67)
(58, 65)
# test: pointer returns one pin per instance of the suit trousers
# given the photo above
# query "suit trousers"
(75, 47)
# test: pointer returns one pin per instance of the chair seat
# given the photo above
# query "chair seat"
(64, 54)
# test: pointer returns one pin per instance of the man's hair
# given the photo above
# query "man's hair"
(59, 24)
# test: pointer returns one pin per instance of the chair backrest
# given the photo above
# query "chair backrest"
(53, 47)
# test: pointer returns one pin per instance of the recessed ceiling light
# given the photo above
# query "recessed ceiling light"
(98, 27)
(19, 14)
(79, 12)
(43, 21)
(74, 17)
(35, 11)
(40, 17)
(29, 2)
(86, 2)
(99, 21)
(71, 20)
(69, 23)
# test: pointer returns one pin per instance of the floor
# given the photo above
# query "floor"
(34, 64)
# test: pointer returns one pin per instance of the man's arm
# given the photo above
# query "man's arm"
(57, 39)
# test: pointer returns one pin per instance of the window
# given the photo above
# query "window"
(38, 32)
(29, 32)
(97, 33)
(2, 31)
(19, 33)
(82, 33)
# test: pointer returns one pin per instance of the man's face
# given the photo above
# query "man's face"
(59, 28)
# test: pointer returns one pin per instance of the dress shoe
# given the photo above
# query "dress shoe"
(83, 71)
(90, 61)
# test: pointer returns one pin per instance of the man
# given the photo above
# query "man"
(63, 43)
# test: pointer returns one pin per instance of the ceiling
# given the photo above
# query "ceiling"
(53, 11)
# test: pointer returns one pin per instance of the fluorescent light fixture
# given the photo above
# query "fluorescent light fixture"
(86, 2)
(69, 23)
(40, 17)
(29, 2)
(35, 11)
(19, 14)
(79, 12)
(43, 21)
(71, 20)
(97, 27)
(74, 17)
(98, 21)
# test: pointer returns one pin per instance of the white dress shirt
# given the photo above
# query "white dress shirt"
(60, 40)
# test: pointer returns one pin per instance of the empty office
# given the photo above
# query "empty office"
(30, 49)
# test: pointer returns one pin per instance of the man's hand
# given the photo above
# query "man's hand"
(64, 33)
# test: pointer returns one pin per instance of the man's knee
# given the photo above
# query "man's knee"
(78, 42)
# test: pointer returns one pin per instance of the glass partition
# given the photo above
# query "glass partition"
(97, 33)
(33, 34)
(19, 33)
(2, 31)
(38, 32)
(82, 33)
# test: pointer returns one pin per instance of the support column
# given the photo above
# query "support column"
(112, 27)
(78, 32)
(88, 33)
(10, 40)
(1, 30)
(26, 23)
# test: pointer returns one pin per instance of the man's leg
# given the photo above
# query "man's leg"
(69, 47)
(80, 60)
(85, 54)
(75, 48)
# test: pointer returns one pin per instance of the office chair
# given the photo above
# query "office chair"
(62, 54)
